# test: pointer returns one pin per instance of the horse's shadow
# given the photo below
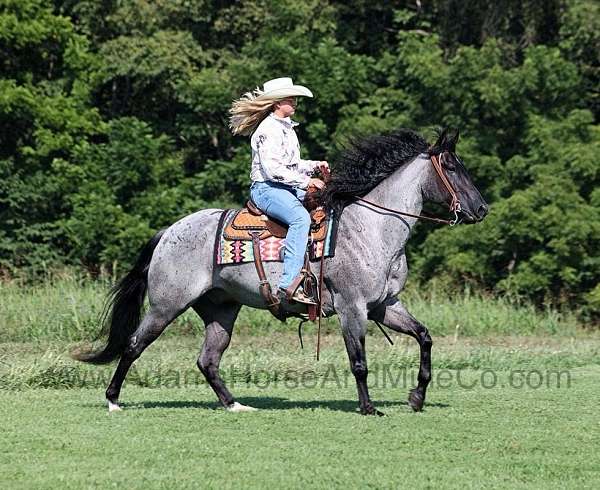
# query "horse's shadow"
(275, 403)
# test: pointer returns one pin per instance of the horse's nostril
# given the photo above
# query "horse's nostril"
(482, 211)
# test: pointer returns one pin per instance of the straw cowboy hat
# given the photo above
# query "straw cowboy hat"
(280, 88)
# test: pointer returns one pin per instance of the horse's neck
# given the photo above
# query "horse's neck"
(402, 191)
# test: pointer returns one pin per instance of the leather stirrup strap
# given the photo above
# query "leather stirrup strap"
(320, 305)
(310, 287)
(264, 285)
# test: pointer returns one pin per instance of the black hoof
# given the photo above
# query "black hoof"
(371, 411)
(416, 400)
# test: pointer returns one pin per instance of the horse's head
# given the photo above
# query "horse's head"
(452, 183)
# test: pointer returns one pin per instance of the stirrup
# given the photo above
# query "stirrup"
(299, 296)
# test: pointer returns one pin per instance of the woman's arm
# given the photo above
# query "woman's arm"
(307, 166)
(270, 150)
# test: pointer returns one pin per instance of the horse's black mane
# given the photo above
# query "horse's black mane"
(366, 161)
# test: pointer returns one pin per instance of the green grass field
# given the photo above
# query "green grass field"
(502, 412)
(513, 401)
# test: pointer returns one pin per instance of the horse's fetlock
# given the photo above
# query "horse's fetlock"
(112, 395)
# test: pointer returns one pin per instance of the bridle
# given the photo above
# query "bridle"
(454, 206)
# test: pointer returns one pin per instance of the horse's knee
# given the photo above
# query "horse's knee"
(207, 364)
(422, 336)
(427, 340)
(203, 364)
(360, 370)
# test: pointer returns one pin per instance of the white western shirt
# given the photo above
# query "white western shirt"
(276, 154)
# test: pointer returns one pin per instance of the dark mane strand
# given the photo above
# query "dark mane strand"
(365, 162)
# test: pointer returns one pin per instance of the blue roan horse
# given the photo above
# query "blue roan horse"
(361, 282)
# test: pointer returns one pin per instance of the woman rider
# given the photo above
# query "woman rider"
(279, 176)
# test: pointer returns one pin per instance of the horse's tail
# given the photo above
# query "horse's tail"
(122, 312)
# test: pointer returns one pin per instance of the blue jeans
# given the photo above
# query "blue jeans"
(284, 203)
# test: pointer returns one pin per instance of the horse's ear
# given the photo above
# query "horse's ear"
(441, 140)
(453, 140)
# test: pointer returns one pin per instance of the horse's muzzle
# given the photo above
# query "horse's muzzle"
(474, 216)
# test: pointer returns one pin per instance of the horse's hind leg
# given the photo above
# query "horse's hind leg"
(219, 321)
(150, 328)
(395, 316)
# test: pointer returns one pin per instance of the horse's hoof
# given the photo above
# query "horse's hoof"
(236, 407)
(113, 407)
(371, 411)
(416, 400)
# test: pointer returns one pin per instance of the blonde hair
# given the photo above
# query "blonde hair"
(247, 112)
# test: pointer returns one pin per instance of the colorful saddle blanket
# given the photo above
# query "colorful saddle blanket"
(234, 239)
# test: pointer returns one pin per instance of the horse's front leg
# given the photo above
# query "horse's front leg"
(354, 328)
(394, 315)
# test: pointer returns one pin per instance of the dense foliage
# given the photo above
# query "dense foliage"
(113, 121)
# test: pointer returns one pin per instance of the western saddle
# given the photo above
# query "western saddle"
(250, 223)
(251, 220)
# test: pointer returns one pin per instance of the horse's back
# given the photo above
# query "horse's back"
(182, 262)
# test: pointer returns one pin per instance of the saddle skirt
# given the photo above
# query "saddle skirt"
(234, 235)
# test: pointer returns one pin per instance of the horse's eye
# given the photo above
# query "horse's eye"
(448, 163)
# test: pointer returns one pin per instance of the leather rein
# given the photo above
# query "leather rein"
(454, 207)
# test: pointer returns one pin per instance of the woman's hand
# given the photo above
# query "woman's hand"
(318, 183)
(323, 166)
